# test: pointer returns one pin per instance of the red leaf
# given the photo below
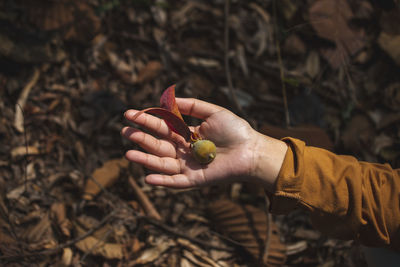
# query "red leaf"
(167, 101)
(169, 111)
(175, 123)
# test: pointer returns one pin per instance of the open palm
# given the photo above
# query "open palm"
(169, 155)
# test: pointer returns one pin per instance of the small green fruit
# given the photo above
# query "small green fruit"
(204, 151)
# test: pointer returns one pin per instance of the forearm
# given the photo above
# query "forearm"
(268, 156)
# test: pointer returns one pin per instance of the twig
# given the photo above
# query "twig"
(282, 74)
(269, 230)
(179, 234)
(231, 241)
(144, 200)
(226, 60)
(268, 68)
(26, 148)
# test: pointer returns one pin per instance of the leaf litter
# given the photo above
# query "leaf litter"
(67, 194)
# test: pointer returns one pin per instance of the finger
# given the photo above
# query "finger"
(161, 148)
(165, 165)
(154, 124)
(174, 181)
(197, 108)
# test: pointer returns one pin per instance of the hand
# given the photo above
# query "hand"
(239, 148)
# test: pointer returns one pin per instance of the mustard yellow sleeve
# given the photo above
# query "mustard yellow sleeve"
(346, 198)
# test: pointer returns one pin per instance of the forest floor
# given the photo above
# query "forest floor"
(324, 71)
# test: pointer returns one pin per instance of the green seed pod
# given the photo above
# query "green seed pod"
(204, 151)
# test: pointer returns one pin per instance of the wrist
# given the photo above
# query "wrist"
(268, 157)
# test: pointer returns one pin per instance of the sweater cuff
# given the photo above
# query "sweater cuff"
(286, 196)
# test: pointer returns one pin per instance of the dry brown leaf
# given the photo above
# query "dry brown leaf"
(358, 134)
(40, 232)
(194, 217)
(330, 21)
(172, 260)
(6, 238)
(196, 254)
(312, 64)
(197, 230)
(136, 245)
(198, 261)
(105, 176)
(180, 17)
(86, 24)
(149, 72)
(8, 245)
(294, 45)
(204, 62)
(58, 212)
(186, 263)
(23, 97)
(189, 9)
(119, 64)
(190, 246)
(88, 222)
(16, 192)
(392, 94)
(302, 233)
(382, 141)
(159, 14)
(296, 247)
(178, 210)
(98, 247)
(391, 45)
(122, 68)
(248, 225)
(23, 151)
(220, 255)
(66, 258)
(80, 150)
(151, 254)
(388, 120)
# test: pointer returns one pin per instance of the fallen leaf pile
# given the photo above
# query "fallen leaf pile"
(69, 70)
